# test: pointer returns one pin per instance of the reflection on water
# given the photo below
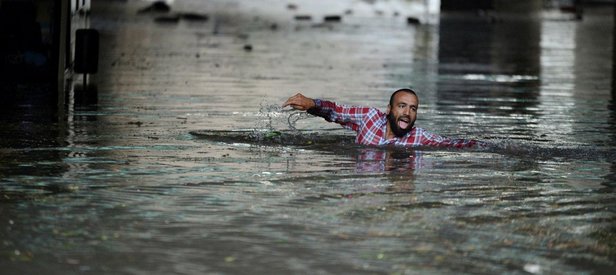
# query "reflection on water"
(177, 162)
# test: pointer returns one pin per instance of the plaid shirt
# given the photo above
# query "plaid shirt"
(371, 127)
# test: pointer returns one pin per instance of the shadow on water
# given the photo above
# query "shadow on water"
(34, 142)
(28, 118)
(85, 97)
(28, 139)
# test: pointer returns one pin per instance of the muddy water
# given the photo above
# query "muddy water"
(183, 163)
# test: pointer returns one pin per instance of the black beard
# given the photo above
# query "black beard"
(393, 125)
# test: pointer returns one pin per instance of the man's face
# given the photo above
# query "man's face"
(402, 114)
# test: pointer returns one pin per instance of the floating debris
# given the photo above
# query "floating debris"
(248, 47)
(158, 6)
(292, 6)
(412, 21)
(332, 18)
(303, 17)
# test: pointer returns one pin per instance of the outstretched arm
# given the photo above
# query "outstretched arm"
(430, 139)
(348, 116)
(299, 102)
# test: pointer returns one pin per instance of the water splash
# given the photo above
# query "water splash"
(277, 127)
(274, 114)
(269, 111)
(296, 116)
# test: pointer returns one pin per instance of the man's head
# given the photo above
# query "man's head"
(402, 111)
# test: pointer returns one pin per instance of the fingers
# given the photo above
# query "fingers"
(287, 103)
(299, 102)
(294, 101)
(297, 107)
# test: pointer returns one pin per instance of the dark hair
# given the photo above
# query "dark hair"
(403, 90)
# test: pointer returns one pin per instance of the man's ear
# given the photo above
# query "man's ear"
(388, 109)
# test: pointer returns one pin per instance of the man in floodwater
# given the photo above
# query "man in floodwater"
(373, 127)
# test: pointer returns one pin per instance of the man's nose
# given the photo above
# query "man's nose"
(406, 111)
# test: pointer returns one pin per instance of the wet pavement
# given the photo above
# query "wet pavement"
(179, 160)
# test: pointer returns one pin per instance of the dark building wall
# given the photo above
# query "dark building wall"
(34, 35)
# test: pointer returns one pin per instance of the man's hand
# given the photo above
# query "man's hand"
(299, 102)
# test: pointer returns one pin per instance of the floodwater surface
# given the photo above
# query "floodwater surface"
(181, 161)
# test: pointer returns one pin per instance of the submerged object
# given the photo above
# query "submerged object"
(277, 137)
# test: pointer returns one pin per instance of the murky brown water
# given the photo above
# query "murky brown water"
(124, 187)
